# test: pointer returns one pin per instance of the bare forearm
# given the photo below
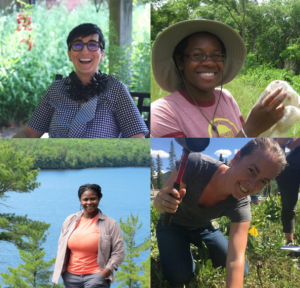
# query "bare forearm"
(294, 144)
(28, 132)
(249, 131)
(283, 141)
(235, 273)
(21, 134)
(141, 135)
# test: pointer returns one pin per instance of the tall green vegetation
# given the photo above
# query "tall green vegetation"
(159, 176)
(35, 271)
(17, 175)
(129, 275)
(15, 171)
(172, 157)
(84, 153)
(14, 228)
(26, 75)
(152, 171)
(279, 268)
(146, 267)
(270, 29)
(271, 189)
(221, 158)
(246, 89)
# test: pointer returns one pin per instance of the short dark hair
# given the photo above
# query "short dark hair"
(181, 46)
(94, 187)
(84, 30)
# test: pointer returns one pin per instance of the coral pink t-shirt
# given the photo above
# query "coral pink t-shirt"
(176, 115)
(83, 244)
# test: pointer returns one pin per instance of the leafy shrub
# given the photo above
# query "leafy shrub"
(261, 77)
(26, 75)
(248, 86)
(250, 63)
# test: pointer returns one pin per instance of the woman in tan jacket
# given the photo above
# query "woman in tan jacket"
(90, 246)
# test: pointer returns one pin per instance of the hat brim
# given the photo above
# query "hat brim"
(166, 73)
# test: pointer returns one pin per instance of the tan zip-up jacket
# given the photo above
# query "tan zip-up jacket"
(110, 248)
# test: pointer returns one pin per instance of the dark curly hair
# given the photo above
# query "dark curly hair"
(94, 187)
(84, 30)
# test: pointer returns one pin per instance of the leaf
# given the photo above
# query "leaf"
(208, 264)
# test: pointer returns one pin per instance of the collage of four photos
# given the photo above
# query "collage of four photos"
(210, 88)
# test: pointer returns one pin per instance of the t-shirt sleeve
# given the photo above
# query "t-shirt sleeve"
(197, 175)
(163, 121)
(127, 114)
(42, 115)
(240, 211)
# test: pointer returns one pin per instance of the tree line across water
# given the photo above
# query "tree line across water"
(84, 153)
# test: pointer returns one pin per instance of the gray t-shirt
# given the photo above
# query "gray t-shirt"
(198, 172)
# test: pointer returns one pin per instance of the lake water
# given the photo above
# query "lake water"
(124, 190)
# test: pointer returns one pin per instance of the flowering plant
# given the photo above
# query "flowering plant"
(29, 42)
(24, 21)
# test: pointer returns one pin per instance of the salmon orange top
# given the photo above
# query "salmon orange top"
(83, 244)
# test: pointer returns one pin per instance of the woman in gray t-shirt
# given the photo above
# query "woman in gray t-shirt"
(211, 189)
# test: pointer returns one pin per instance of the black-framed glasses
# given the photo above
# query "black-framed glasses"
(91, 45)
(196, 56)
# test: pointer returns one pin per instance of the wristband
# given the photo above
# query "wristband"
(244, 133)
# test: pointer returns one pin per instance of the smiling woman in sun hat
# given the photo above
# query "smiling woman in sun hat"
(190, 59)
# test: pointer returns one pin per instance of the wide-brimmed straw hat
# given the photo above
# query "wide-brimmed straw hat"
(165, 71)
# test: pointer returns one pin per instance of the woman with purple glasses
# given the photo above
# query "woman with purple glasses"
(87, 103)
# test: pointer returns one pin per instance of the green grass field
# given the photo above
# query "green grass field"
(244, 94)
(279, 268)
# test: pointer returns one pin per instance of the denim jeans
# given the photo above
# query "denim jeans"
(85, 281)
(175, 253)
(288, 183)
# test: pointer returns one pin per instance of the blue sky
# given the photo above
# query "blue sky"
(226, 146)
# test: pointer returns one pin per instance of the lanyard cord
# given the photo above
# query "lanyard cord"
(210, 122)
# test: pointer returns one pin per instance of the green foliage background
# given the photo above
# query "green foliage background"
(35, 271)
(270, 29)
(26, 75)
(129, 274)
(63, 153)
(17, 175)
(16, 172)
